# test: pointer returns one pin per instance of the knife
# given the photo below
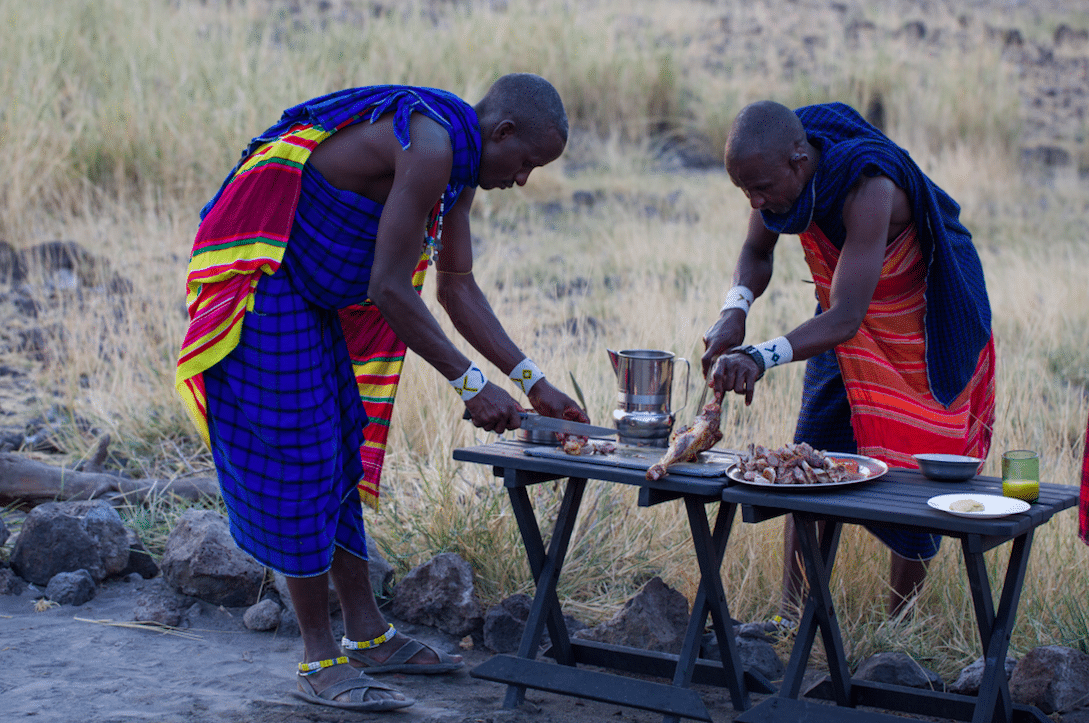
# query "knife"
(532, 420)
(564, 426)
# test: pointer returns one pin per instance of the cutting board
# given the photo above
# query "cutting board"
(712, 463)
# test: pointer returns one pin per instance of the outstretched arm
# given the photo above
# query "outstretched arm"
(753, 270)
(474, 318)
(867, 215)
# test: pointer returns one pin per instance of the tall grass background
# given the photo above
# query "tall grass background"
(119, 118)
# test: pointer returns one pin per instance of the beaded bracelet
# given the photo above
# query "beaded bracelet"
(526, 374)
(772, 353)
(308, 668)
(390, 633)
(469, 383)
(739, 297)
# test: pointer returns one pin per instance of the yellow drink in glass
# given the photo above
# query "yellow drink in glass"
(1023, 489)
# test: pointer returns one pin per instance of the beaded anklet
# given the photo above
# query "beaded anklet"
(364, 644)
(310, 668)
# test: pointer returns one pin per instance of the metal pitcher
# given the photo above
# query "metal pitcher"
(645, 379)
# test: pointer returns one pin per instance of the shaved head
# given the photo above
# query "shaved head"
(766, 129)
(527, 99)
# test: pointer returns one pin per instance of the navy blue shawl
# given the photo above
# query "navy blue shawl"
(958, 314)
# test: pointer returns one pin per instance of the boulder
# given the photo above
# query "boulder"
(4, 534)
(159, 603)
(1053, 678)
(504, 623)
(10, 583)
(140, 560)
(71, 588)
(898, 669)
(655, 618)
(754, 647)
(201, 560)
(265, 615)
(69, 536)
(440, 594)
(967, 683)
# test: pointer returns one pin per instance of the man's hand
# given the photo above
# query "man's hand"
(493, 410)
(725, 334)
(735, 372)
(551, 402)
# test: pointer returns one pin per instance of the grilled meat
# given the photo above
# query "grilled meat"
(687, 442)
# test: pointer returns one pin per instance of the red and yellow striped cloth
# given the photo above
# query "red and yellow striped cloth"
(244, 236)
(893, 413)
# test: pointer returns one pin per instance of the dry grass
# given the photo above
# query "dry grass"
(119, 119)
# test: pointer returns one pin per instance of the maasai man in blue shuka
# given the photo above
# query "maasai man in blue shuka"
(316, 244)
(901, 357)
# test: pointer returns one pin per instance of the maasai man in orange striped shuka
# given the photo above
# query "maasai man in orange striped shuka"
(901, 357)
(303, 295)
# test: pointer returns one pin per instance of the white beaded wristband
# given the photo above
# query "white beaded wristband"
(776, 352)
(469, 384)
(739, 297)
(526, 374)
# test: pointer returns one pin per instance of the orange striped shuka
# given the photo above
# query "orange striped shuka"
(893, 412)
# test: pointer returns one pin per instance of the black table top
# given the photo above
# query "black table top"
(899, 499)
(511, 455)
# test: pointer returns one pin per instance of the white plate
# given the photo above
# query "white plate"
(993, 505)
(870, 468)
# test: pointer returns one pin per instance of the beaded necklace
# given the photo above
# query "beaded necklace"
(433, 240)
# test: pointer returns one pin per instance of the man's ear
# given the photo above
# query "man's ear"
(503, 130)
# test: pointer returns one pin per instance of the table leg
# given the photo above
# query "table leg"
(546, 572)
(993, 701)
(711, 597)
(818, 556)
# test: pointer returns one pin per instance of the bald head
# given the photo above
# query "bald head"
(764, 129)
(527, 99)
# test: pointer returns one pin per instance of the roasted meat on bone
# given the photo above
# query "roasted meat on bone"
(687, 442)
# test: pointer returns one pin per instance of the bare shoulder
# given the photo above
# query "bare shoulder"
(365, 157)
(878, 195)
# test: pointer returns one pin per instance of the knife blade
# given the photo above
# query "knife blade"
(564, 426)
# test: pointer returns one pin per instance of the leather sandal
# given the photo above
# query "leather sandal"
(398, 661)
(356, 687)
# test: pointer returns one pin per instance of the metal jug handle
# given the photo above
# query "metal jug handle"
(687, 375)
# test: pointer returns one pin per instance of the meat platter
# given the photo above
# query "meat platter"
(868, 469)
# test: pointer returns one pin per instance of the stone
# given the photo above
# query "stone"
(4, 534)
(440, 594)
(754, 648)
(71, 588)
(69, 536)
(967, 683)
(263, 616)
(140, 560)
(1053, 678)
(202, 561)
(160, 603)
(381, 572)
(10, 583)
(898, 669)
(655, 618)
(504, 623)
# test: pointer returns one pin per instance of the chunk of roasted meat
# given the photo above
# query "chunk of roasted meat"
(575, 444)
(687, 442)
(795, 464)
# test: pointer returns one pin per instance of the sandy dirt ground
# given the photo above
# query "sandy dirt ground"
(90, 665)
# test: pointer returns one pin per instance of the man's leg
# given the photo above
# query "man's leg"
(362, 618)
(905, 578)
(310, 596)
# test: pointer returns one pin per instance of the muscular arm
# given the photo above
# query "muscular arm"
(753, 270)
(473, 317)
(868, 215)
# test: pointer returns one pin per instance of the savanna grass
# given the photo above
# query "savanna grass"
(119, 120)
